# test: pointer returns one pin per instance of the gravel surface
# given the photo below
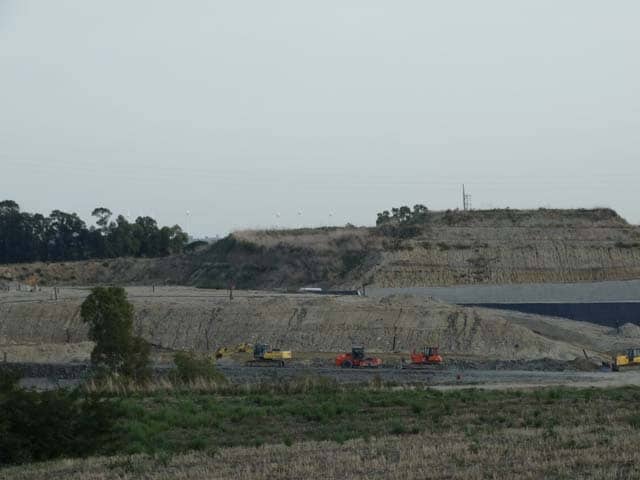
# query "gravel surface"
(446, 377)
(615, 291)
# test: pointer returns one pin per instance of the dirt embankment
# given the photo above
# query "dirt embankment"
(445, 248)
(183, 318)
(129, 271)
(478, 247)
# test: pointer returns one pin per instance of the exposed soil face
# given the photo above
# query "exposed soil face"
(202, 320)
(447, 248)
(480, 247)
(173, 269)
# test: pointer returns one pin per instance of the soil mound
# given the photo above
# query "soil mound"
(629, 330)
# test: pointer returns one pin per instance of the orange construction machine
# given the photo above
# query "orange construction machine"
(428, 356)
(357, 359)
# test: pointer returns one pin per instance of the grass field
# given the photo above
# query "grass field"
(330, 432)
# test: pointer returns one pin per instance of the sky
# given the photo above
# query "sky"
(221, 115)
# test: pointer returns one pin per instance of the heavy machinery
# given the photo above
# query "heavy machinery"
(629, 359)
(357, 359)
(427, 356)
(264, 355)
(225, 351)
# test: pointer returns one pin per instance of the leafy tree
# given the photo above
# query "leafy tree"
(26, 237)
(110, 318)
(67, 233)
(404, 215)
(178, 239)
(383, 217)
(103, 215)
(402, 222)
(9, 206)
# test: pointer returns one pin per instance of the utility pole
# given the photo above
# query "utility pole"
(466, 199)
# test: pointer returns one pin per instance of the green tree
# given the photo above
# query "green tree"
(110, 318)
(383, 217)
(26, 237)
(103, 215)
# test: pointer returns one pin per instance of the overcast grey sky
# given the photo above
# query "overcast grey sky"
(237, 110)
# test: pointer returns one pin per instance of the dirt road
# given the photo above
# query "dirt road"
(441, 378)
(42, 376)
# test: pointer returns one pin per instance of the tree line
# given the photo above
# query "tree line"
(419, 214)
(62, 236)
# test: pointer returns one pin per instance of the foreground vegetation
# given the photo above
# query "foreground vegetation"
(591, 452)
(302, 429)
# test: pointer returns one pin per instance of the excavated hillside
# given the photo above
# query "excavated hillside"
(184, 318)
(442, 248)
(476, 247)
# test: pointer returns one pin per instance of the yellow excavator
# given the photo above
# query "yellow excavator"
(263, 354)
(630, 358)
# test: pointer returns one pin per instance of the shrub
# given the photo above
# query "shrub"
(190, 367)
(352, 259)
(36, 426)
(397, 427)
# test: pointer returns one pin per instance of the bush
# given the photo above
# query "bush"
(36, 426)
(399, 231)
(190, 367)
(352, 259)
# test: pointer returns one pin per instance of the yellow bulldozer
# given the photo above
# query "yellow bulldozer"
(630, 358)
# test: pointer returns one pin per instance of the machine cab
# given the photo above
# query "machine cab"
(260, 349)
(357, 352)
(430, 351)
(634, 355)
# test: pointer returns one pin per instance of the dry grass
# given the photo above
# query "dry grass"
(367, 433)
(318, 239)
(597, 451)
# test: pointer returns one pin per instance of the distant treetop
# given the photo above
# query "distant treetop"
(403, 214)
(61, 236)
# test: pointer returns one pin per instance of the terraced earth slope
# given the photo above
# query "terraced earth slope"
(187, 318)
(443, 248)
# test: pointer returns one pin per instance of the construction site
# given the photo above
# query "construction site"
(429, 290)
(477, 326)
(429, 325)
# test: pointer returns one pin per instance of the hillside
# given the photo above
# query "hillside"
(185, 318)
(443, 248)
